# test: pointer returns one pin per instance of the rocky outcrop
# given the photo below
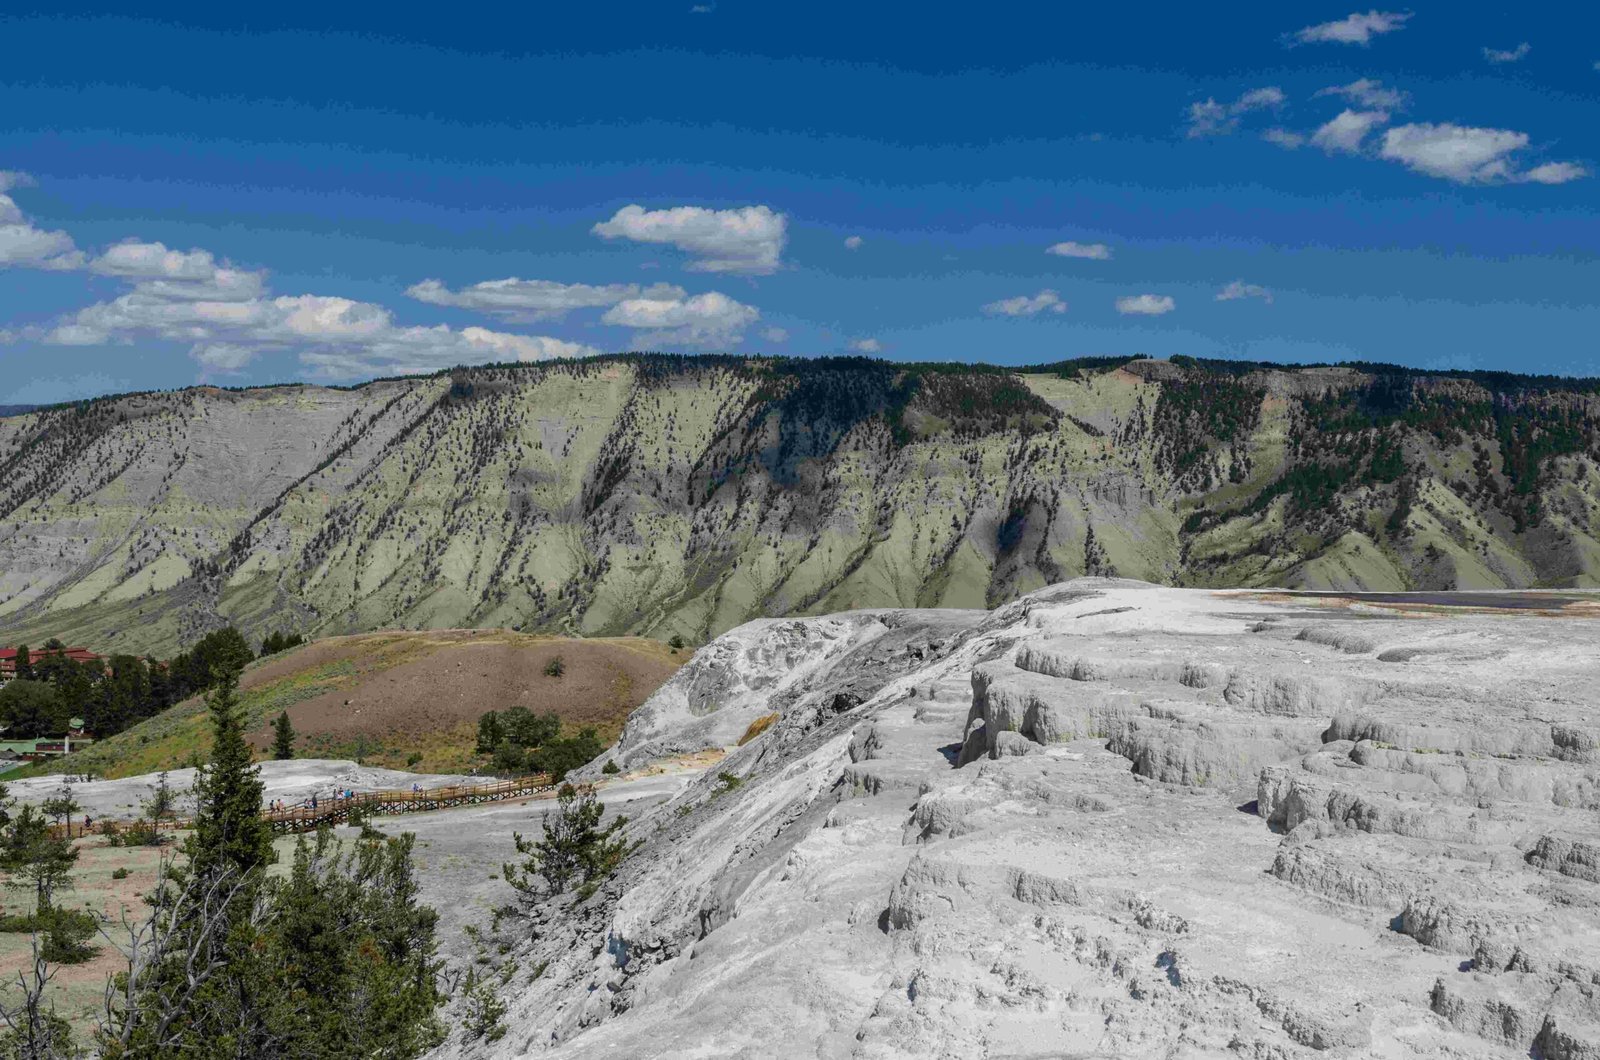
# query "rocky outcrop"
(1105, 820)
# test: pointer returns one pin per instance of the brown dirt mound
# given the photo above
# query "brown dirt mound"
(412, 687)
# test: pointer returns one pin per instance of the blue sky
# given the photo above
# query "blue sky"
(307, 193)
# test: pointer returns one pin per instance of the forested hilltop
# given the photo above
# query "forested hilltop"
(681, 496)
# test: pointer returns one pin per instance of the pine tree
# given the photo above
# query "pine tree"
(575, 849)
(35, 859)
(62, 805)
(24, 671)
(282, 738)
(229, 830)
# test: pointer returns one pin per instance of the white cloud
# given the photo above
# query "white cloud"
(853, 242)
(22, 244)
(1069, 249)
(227, 317)
(1239, 289)
(227, 357)
(748, 240)
(1284, 138)
(710, 319)
(1210, 118)
(1468, 155)
(191, 275)
(524, 301)
(867, 346)
(1347, 131)
(1514, 55)
(1026, 305)
(1149, 305)
(1370, 94)
(1354, 29)
(416, 350)
(775, 335)
(1554, 173)
(335, 337)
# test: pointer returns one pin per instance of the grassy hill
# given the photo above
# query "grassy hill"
(401, 699)
(654, 495)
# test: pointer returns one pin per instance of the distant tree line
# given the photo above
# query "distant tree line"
(115, 693)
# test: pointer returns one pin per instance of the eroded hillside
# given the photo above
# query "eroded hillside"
(661, 495)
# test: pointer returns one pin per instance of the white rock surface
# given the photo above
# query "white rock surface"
(1109, 820)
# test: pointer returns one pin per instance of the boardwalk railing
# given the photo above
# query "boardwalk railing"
(303, 818)
(333, 811)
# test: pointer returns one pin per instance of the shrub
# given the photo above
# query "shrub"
(611, 768)
(561, 756)
(509, 758)
(574, 850)
(484, 1009)
(555, 667)
(676, 643)
(119, 873)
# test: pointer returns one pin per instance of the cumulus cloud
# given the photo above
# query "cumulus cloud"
(1027, 305)
(192, 275)
(22, 244)
(1210, 118)
(1346, 132)
(1148, 305)
(229, 357)
(1369, 94)
(711, 319)
(1469, 155)
(747, 240)
(1513, 55)
(1553, 173)
(867, 346)
(1354, 29)
(1239, 289)
(334, 337)
(525, 301)
(1069, 249)
(853, 242)
(228, 318)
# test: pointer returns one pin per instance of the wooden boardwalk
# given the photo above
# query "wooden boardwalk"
(332, 811)
(335, 811)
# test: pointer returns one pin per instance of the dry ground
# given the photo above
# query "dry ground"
(401, 699)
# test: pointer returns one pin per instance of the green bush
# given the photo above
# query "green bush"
(119, 873)
(555, 667)
(611, 767)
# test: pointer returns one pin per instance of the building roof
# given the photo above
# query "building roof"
(8, 656)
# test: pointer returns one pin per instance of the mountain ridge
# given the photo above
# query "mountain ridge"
(660, 495)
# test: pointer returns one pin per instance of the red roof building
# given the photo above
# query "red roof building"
(8, 658)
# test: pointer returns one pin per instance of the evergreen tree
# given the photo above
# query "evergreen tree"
(32, 708)
(282, 738)
(489, 733)
(62, 805)
(228, 829)
(35, 858)
(574, 850)
(24, 661)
